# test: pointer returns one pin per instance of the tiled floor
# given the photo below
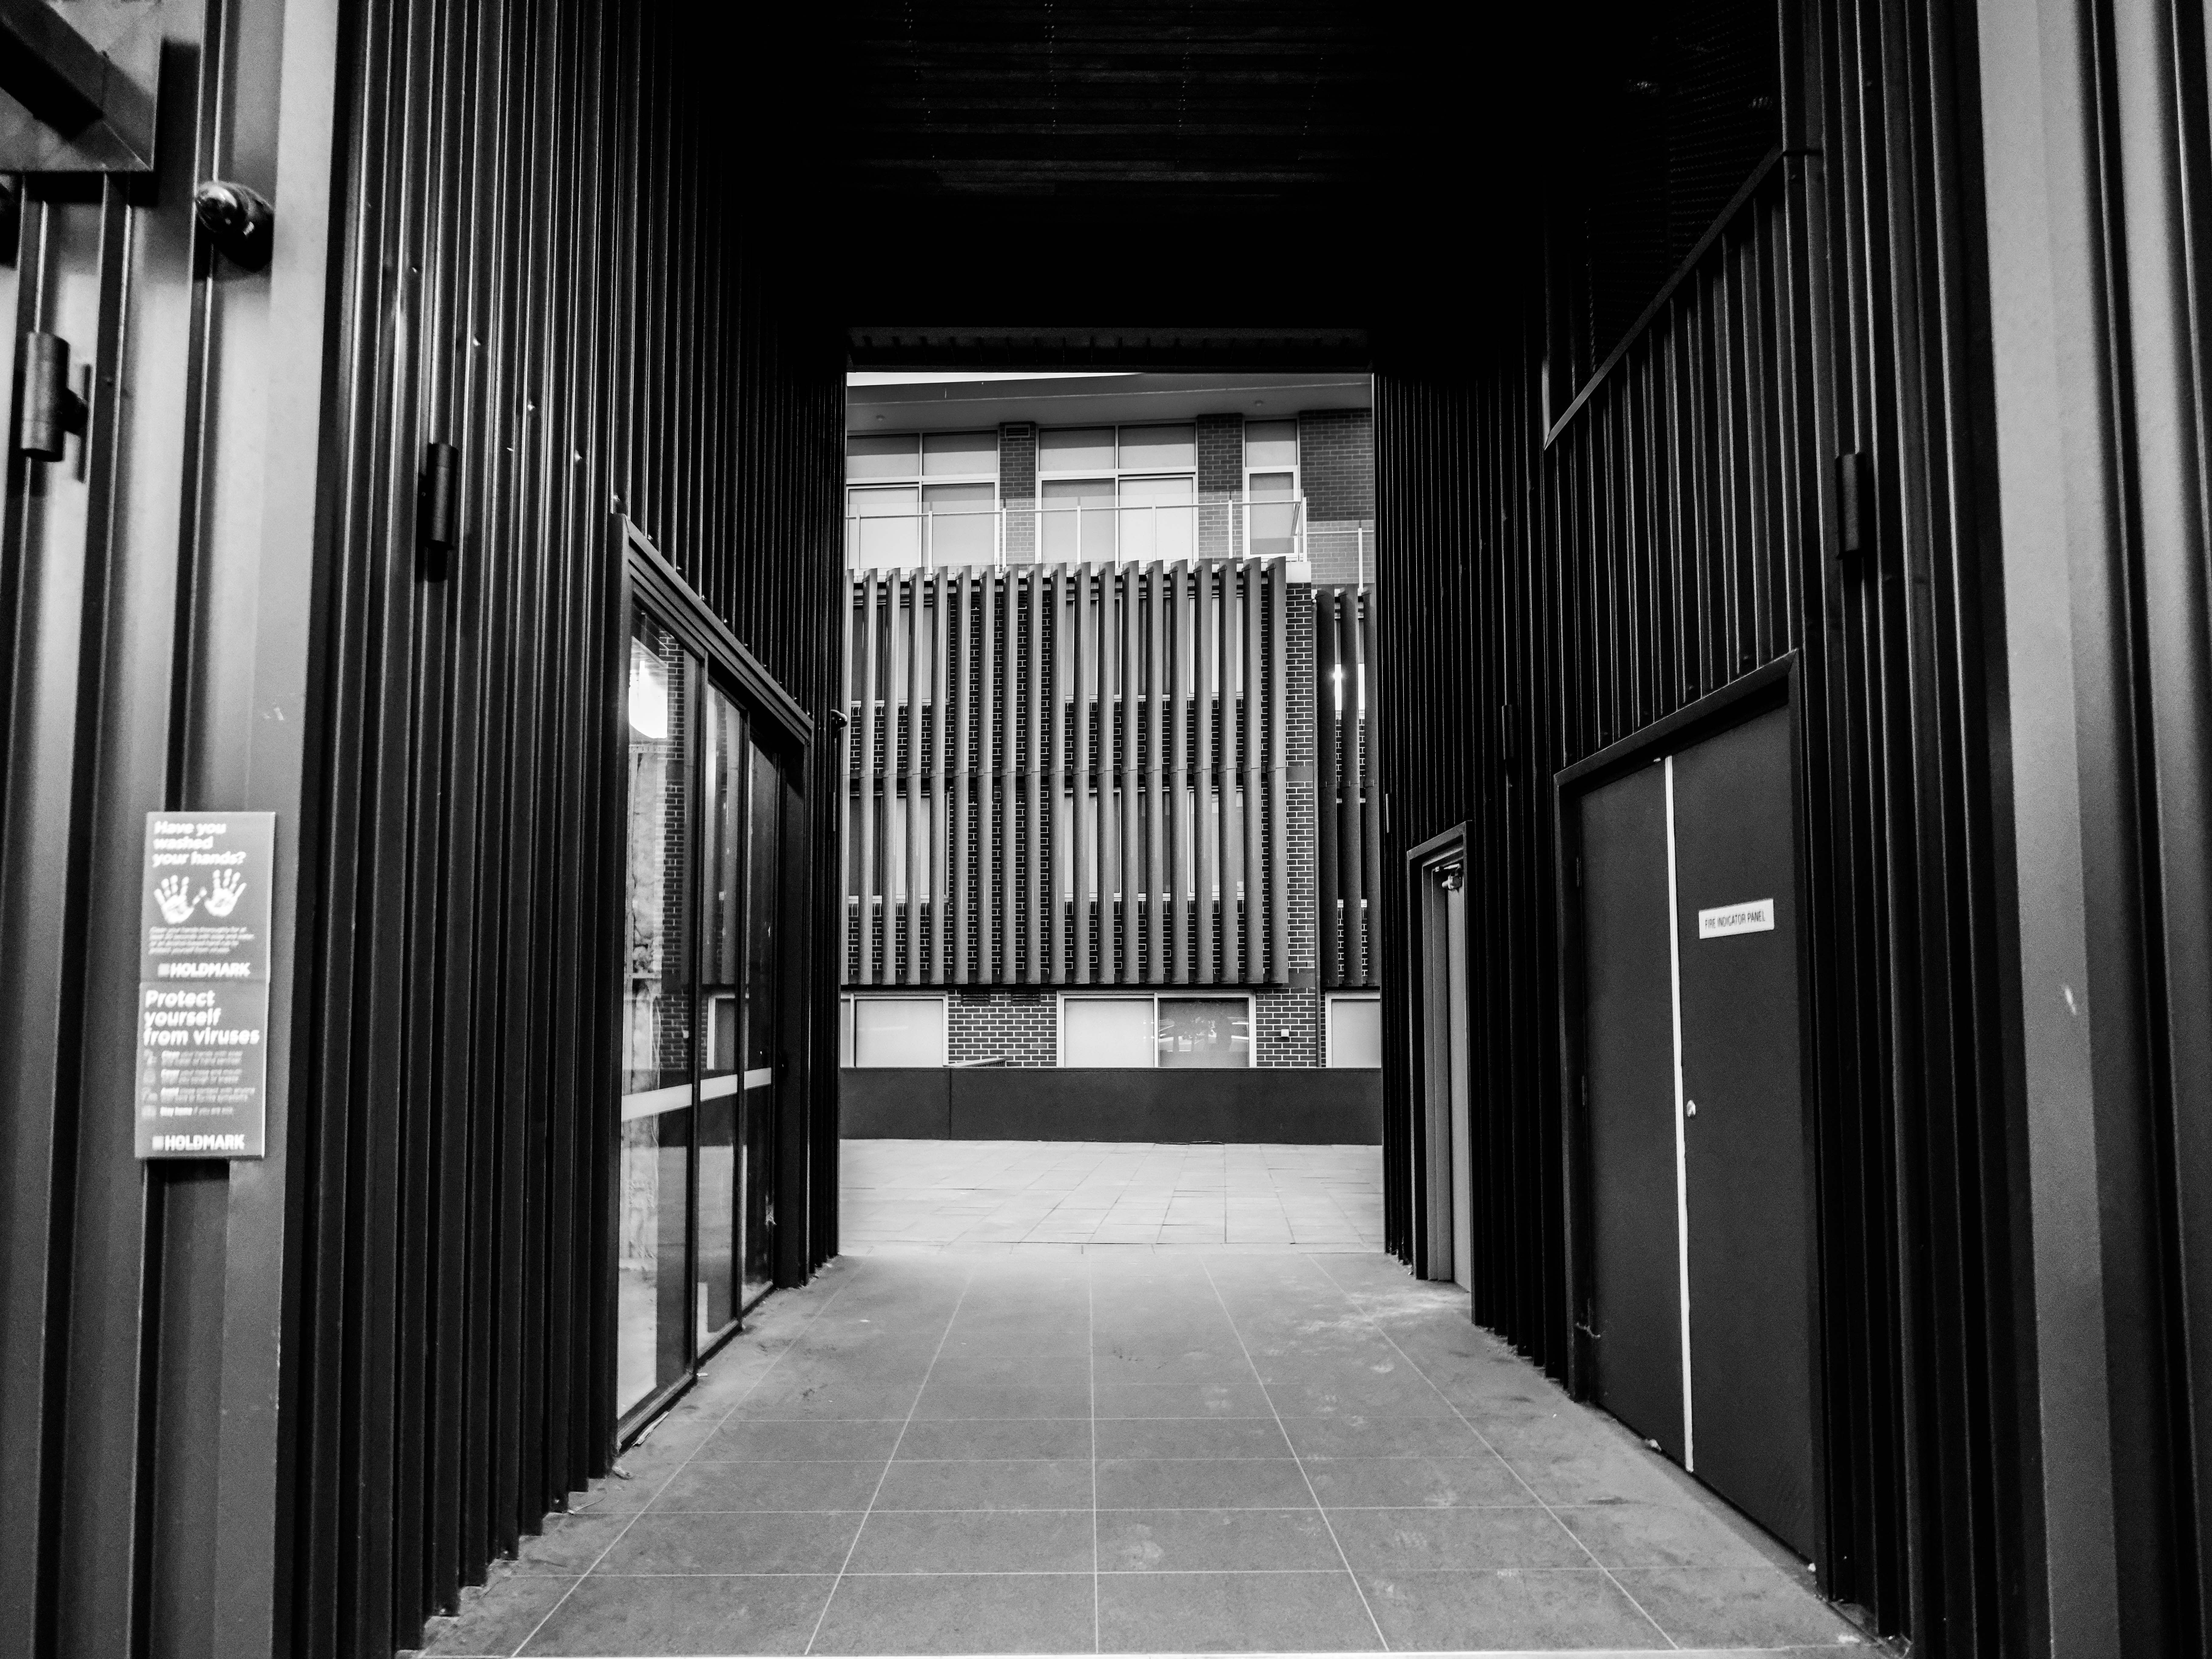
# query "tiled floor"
(1099, 1448)
(1034, 1192)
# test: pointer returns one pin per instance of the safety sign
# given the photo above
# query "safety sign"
(203, 1012)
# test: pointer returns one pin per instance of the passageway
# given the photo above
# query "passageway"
(975, 1447)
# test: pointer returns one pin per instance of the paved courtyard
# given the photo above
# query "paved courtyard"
(943, 1446)
(1084, 1192)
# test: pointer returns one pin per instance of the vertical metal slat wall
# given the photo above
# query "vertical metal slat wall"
(1133, 718)
(544, 263)
(1547, 594)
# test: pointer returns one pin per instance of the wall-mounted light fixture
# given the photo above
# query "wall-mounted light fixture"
(237, 219)
(46, 410)
(434, 511)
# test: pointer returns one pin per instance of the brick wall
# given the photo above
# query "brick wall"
(1017, 488)
(1336, 464)
(1220, 480)
(1295, 1009)
(1021, 1028)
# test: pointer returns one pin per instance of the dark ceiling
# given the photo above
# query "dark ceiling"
(1213, 183)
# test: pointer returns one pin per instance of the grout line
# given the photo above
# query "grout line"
(947, 1336)
(1090, 1345)
(789, 1348)
(1383, 1642)
(1504, 1461)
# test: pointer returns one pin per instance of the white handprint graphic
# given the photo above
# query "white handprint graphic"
(230, 888)
(173, 895)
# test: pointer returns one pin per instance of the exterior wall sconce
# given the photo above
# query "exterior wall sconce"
(46, 410)
(433, 509)
(237, 220)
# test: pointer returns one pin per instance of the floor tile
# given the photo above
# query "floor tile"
(1024, 1613)
(567, 1544)
(1419, 1540)
(942, 1401)
(1183, 1399)
(1004, 1540)
(1192, 1436)
(1151, 1483)
(1361, 1436)
(813, 1401)
(495, 1618)
(1058, 1485)
(1508, 1608)
(741, 1543)
(1414, 1482)
(1214, 1541)
(1232, 1613)
(722, 1615)
(1682, 1533)
(796, 1485)
(1733, 1607)
(753, 1442)
(996, 1438)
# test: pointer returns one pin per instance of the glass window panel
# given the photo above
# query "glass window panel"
(1159, 448)
(767, 801)
(884, 531)
(845, 1032)
(1106, 1031)
(653, 1344)
(1355, 1032)
(721, 892)
(1271, 443)
(963, 525)
(1272, 486)
(1067, 534)
(1158, 518)
(882, 455)
(1205, 1032)
(899, 1031)
(962, 454)
(1076, 449)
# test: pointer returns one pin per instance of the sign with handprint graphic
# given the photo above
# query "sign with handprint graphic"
(203, 1012)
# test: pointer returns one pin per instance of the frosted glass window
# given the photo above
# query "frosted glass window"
(964, 526)
(1205, 1032)
(1159, 517)
(884, 531)
(1271, 443)
(1161, 448)
(1076, 449)
(845, 1032)
(1062, 526)
(1106, 1031)
(881, 455)
(899, 1031)
(1355, 1032)
(960, 455)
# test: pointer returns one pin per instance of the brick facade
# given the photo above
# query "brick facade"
(1336, 464)
(1017, 488)
(1014, 1028)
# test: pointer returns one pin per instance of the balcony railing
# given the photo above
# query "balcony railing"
(1128, 532)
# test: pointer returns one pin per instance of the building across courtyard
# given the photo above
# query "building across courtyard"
(1109, 806)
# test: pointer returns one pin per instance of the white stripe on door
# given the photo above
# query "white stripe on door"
(1681, 1155)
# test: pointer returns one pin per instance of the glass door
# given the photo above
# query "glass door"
(700, 1057)
(654, 1348)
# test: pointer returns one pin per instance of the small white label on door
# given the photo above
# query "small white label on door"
(1746, 916)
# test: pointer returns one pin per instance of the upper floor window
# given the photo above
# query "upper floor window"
(915, 498)
(1128, 492)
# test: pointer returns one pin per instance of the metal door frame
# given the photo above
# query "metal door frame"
(1777, 684)
(1419, 860)
(782, 729)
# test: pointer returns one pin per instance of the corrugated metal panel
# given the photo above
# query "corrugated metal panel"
(1108, 690)
(539, 265)
(1542, 601)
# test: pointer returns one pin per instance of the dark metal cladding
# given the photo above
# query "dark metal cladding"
(1555, 581)
(540, 264)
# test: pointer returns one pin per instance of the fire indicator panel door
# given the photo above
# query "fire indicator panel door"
(1699, 1295)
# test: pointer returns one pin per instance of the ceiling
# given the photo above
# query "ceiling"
(1209, 185)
